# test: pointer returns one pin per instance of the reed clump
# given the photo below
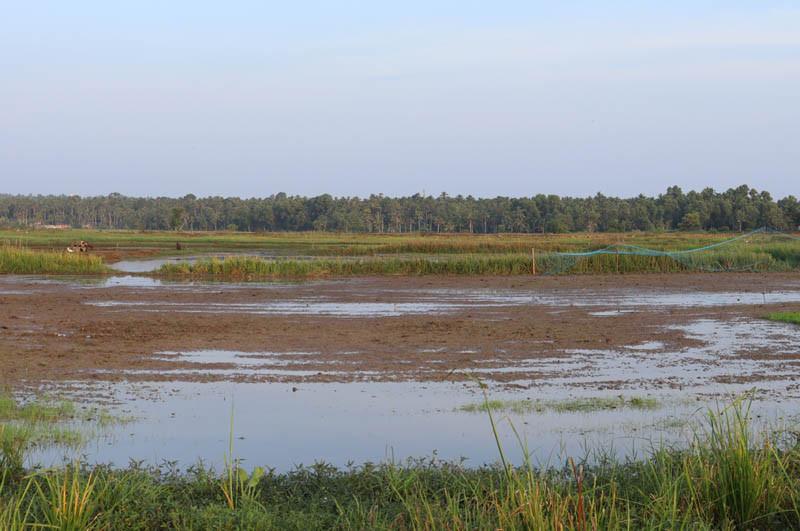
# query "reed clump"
(732, 260)
(253, 267)
(22, 261)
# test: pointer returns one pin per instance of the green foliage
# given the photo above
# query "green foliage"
(574, 405)
(20, 261)
(785, 317)
(691, 221)
(45, 423)
(738, 209)
(67, 499)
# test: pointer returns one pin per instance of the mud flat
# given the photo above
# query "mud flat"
(375, 368)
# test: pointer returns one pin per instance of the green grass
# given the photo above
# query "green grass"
(249, 267)
(572, 405)
(21, 261)
(785, 317)
(41, 422)
(727, 478)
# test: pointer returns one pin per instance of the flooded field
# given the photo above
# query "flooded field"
(388, 369)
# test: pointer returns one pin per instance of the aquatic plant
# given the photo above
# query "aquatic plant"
(43, 422)
(571, 405)
(785, 317)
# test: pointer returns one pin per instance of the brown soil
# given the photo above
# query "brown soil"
(49, 332)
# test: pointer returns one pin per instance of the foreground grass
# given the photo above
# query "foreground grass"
(21, 261)
(575, 405)
(785, 317)
(726, 479)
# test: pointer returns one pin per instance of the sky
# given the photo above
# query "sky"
(513, 98)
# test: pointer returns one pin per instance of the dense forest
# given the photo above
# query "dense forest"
(737, 209)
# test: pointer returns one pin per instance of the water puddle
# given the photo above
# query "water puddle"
(733, 357)
(647, 345)
(130, 281)
(626, 302)
(308, 306)
(419, 303)
(244, 365)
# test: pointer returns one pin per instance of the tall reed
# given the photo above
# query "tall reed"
(22, 261)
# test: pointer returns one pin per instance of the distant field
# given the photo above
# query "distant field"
(375, 254)
(362, 243)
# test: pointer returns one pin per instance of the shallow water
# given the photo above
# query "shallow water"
(283, 424)
(627, 300)
(340, 423)
(442, 301)
(294, 307)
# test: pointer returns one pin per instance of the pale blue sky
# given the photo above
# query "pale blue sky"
(359, 97)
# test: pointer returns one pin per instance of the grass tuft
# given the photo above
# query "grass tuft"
(574, 405)
(21, 261)
(785, 317)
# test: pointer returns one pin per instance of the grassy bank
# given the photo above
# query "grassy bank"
(727, 479)
(21, 261)
(785, 317)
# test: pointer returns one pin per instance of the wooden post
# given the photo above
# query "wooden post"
(533, 261)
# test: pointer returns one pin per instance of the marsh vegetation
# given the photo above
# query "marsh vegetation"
(785, 317)
(572, 405)
(22, 261)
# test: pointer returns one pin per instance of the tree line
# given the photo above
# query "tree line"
(737, 209)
